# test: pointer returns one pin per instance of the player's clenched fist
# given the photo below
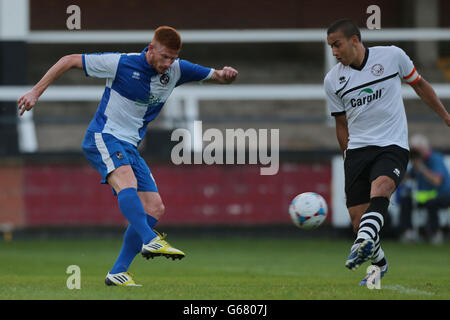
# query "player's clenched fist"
(27, 101)
(225, 76)
(229, 73)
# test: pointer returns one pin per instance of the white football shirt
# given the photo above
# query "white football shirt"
(371, 97)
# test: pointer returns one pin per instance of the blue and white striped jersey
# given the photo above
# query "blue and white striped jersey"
(135, 93)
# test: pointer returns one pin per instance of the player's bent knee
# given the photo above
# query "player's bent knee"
(156, 211)
(159, 211)
(382, 186)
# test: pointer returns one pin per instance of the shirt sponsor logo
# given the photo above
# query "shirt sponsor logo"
(372, 96)
(151, 100)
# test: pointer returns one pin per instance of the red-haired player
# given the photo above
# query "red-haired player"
(137, 86)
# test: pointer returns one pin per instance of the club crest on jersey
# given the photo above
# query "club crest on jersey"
(164, 79)
(341, 80)
(377, 69)
(119, 155)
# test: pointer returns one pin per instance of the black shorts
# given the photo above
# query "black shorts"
(363, 165)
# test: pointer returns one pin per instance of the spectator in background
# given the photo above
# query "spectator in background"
(427, 184)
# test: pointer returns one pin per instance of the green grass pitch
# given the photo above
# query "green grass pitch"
(222, 269)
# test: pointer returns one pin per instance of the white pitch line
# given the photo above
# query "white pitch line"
(405, 290)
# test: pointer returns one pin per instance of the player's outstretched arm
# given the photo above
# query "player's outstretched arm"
(29, 99)
(225, 76)
(429, 97)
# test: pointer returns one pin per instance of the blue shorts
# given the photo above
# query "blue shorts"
(106, 153)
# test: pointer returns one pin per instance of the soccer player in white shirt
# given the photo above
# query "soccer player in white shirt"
(364, 95)
(137, 86)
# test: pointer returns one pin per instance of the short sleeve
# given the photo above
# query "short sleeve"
(335, 105)
(193, 72)
(406, 67)
(103, 65)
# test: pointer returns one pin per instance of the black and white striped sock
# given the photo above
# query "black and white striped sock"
(370, 225)
(378, 254)
(372, 221)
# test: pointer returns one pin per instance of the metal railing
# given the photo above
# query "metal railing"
(189, 96)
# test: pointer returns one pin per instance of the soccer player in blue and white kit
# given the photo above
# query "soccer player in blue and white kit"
(364, 96)
(137, 86)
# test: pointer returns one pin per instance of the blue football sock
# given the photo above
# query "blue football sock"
(132, 245)
(151, 221)
(131, 207)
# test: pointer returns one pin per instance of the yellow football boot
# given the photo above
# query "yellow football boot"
(122, 279)
(160, 247)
